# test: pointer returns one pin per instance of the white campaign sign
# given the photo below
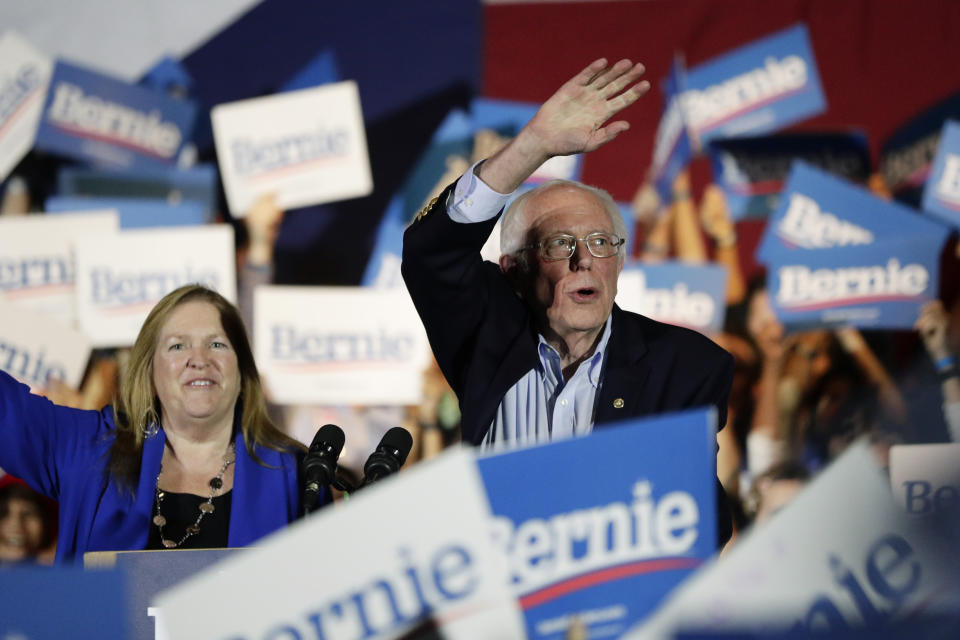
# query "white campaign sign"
(339, 345)
(925, 478)
(121, 276)
(373, 567)
(36, 348)
(24, 77)
(842, 554)
(305, 147)
(37, 265)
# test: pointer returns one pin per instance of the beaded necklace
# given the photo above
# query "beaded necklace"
(216, 483)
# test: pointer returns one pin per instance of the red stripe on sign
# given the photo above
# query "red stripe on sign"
(19, 110)
(610, 574)
(949, 204)
(114, 140)
(710, 125)
(849, 302)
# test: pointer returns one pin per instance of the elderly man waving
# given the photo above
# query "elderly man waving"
(535, 348)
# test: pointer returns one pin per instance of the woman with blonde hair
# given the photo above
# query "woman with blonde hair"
(185, 458)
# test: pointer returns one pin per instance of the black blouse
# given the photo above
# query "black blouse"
(181, 510)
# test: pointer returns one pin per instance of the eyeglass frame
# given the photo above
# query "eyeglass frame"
(539, 245)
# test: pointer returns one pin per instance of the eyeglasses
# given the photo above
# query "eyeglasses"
(562, 245)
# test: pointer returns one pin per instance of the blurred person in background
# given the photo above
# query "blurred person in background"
(26, 529)
(940, 337)
(185, 458)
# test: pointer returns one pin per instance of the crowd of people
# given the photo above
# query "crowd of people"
(184, 440)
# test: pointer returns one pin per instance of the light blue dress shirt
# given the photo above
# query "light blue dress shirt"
(541, 406)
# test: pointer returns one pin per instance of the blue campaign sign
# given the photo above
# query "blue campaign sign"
(135, 213)
(672, 149)
(45, 602)
(752, 171)
(907, 155)
(881, 285)
(941, 196)
(195, 184)
(609, 545)
(755, 89)
(108, 122)
(322, 69)
(383, 267)
(820, 211)
(689, 295)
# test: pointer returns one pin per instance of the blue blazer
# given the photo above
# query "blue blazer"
(63, 453)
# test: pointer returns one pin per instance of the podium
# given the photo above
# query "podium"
(149, 572)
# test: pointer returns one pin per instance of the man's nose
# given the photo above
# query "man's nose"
(581, 258)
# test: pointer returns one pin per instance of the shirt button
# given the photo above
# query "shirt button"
(563, 402)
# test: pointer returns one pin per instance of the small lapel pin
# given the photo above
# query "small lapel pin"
(618, 403)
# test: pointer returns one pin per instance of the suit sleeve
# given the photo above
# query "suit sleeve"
(449, 282)
(38, 439)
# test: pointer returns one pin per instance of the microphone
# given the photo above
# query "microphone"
(389, 456)
(320, 464)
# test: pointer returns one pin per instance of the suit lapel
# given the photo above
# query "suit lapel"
(625, 373)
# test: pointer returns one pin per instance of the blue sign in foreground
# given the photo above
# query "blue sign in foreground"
(62, 603)
(601, 528)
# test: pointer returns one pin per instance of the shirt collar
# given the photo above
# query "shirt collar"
(550, 359)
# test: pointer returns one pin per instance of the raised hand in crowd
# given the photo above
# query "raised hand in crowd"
(932, 325)
(16, 198)
(889, 396)
(573, 120)
(654, 220)
(686, 229)
(263, 227)
(716, 221)
(767, 443)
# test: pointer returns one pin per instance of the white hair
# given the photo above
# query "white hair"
(516, 219)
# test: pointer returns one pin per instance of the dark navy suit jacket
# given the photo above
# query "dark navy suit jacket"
(484, 338)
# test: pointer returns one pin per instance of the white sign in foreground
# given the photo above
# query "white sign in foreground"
(24, 77)
(121, 276)
(412, 547)
(37, 266)
(841, 555)
(305, 147)
(339, 345)
(925, 478)
(36, 348)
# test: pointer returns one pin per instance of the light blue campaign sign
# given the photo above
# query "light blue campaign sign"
(45, 602)
(602, 527)
(135, 213)
(689, 295)
(877, 286)
(755, 89)
(820, 211)
(753, 171)
(941, 196)
(108, 122)
(672, 150)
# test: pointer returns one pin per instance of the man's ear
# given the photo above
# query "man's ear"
(510, 267)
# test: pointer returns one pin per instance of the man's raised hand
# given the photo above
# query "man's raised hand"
(572, 120)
